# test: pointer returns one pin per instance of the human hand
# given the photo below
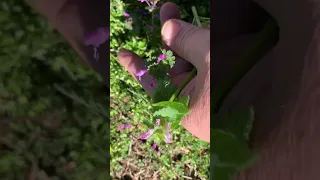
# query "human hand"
(75, 19)
(191, 46)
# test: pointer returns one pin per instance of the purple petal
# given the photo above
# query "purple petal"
(169, 127)
(161, 57)
(97, 37)
(127, 126)
(152, 83)
(153, 4)
(154, 146)
(168, 138)
(151, 27)
(157, 122)
(158, 153)
(145, 1)
(146, 135)
(141, 73)
(126, 14)
(121, 127)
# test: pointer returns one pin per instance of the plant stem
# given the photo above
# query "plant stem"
(195, 14)
(246, 62)
(194, 70)
(184, 84)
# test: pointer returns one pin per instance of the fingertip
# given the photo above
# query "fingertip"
(170, 30)
(123, 53)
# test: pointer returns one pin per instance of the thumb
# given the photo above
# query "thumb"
(190, 42)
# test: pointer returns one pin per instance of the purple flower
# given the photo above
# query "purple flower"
(124, 126)
(158, 153)
(145, 1)
(120, 128)
(152, 83)
(127, 126)
(128, 20)
(146, 135)
(126, 14)
(141, 73)
(151, 27)
(157, 122)
(168, 138)
(169, 127)
(98, 37)
(154, 146)
(161, 57)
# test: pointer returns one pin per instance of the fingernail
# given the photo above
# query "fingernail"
(170, 29)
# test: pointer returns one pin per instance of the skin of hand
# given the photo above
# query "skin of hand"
(284, 90)
(191, 46)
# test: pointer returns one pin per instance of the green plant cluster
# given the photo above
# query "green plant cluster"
(130, 104)
(44, 132)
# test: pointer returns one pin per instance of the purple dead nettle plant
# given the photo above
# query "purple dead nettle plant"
(149, 133)
(96, 38)
(167, 125)
(152, 5)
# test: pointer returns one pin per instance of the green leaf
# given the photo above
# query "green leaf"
(175, 124)
(238, 123)
(184, 100)
(179, 107)
(167, 112)
(163, 91)
(229, 151)
(171, 110)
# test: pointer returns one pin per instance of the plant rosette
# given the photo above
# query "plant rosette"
(168, 108)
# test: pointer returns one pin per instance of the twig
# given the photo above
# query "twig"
(187, 177)
(130, 145)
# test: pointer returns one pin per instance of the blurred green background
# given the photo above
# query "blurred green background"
(43, 132)
(131, 158)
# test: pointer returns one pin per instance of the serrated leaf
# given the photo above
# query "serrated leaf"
(159, 70)
(163, 92)
(179, 107)
(169, 53)
(167, 112)
(238, 123)
(229, 151)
